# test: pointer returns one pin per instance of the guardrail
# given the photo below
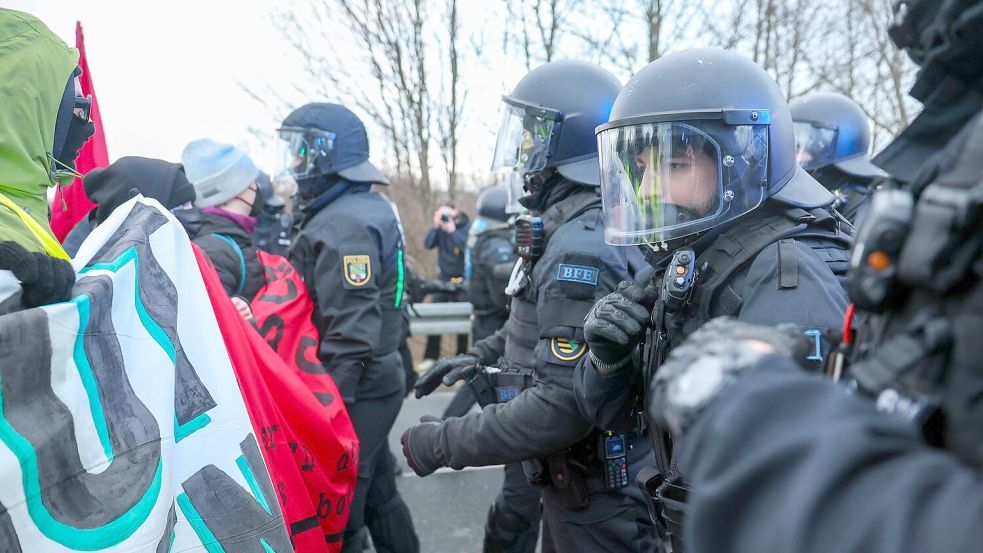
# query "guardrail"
(436, 319)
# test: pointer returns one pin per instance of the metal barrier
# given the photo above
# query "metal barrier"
(437, 319)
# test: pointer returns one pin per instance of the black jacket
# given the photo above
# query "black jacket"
(238, 267)
(450, 249)
(350, 254)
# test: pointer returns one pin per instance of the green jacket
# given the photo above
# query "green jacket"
(35, 66)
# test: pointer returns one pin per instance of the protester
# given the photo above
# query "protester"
(227, 202)
(113, 186)
(44, 121)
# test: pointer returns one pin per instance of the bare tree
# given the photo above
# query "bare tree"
(860, 61)
(537, 26)
(452, 109)
(389, 84)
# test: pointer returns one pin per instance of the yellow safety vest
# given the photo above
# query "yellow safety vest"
(48, 242)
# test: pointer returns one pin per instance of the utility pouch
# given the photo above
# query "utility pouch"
(536, 473)
(568, 480)
(483, 388)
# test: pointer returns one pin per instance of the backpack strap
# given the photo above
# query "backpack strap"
(242, 259)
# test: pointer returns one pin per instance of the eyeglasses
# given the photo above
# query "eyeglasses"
(83, 108)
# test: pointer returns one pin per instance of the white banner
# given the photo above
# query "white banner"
(122, 427)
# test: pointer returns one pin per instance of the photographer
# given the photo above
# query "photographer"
(449, 236)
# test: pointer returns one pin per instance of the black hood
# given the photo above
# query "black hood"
(110, 188)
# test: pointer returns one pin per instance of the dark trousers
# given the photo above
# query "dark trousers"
(513, 520)
(615, 522)
(376, 502)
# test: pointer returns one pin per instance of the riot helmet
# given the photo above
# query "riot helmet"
(492, 203)
(697, 139)
(321, 139)
(547, 123)
(832, 130)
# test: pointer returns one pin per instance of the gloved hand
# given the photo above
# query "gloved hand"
(448, 370)
(418, 446)
(616, 324)
(44, 279)
(713, 357)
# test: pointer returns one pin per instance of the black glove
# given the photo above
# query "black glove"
(441, 371)
(709, 360)
(616, 324)
(44, 279)
(418, 446)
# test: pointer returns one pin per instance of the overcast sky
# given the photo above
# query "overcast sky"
(167, 72)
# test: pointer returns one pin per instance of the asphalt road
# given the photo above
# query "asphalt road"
(448, 507)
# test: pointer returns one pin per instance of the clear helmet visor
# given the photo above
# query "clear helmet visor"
(814, 146)
(525, 138)
(663, 181)
(302, 153)
(516, 188)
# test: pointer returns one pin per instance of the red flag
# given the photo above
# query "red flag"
(282, 310)
(308, 442)
(71, 203)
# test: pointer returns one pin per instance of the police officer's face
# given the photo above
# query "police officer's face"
(688, 180)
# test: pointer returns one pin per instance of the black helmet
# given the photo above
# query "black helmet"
(697, 139)
(492, 203)
(325, 139)
(831, 129)
(549, 118)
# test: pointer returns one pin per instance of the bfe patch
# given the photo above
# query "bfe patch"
(577, 275)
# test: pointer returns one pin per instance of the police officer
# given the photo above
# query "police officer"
(547, 137)
(698, 167)
(489, 260)
(274, 224)
(813, 466)
(350, 254)
(832, 137)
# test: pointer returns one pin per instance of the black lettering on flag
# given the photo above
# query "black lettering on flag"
(222, 511)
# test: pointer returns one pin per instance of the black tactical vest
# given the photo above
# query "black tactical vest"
(523, 325)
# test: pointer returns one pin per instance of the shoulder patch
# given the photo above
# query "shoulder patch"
(566, 349)
(577, 273)
(357, 269)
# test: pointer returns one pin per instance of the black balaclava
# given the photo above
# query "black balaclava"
(547, 188)
(71, 133)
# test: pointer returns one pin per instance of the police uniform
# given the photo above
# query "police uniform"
(350, 254)
(491, 260)
(544, 334)
(793, 271)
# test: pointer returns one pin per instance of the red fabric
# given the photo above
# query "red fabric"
(282, 309)
(71, 203)
(310, 447)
